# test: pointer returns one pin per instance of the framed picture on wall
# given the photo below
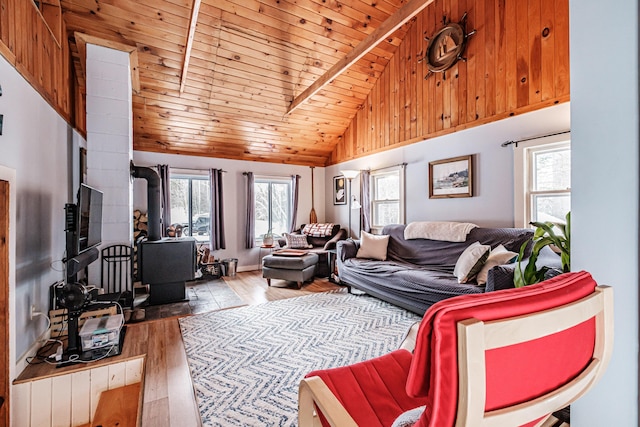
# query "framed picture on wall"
(339, 192)
(451, 178)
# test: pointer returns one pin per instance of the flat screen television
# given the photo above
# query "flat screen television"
(89, 219)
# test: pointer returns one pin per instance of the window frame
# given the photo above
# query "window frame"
(190, 177)
(524, 176)
(271, 180)
(401, 201)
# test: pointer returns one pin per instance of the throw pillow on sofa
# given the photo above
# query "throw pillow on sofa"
(498, 256)
(373, 246)
(297, 241)
(471, 261)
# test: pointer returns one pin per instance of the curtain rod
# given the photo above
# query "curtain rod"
(507, 143)
(280, 176)
(387, 167)
(179, 168)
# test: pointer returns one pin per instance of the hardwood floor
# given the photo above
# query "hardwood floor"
(168, 393)
(169, 398)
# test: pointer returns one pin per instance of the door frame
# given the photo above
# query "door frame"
(7, 288)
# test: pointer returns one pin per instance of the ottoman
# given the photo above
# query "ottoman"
(297, 269)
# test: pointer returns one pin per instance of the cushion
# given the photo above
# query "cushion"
(373, 391)
(297, 241)
(318, 229)
(373, 246)
(498, 256)
(471, 261)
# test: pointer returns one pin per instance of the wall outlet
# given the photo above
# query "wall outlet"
(33, 312)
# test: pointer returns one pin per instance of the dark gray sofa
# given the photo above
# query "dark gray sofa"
(419, 272)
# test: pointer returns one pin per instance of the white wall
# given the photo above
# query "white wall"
(605, 194)
(492, 201)
(234, 195)
(110, 144)
(39, 145)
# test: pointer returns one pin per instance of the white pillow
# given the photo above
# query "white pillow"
(297, 241)
(373, 246)
(471, 261)
(498, 256)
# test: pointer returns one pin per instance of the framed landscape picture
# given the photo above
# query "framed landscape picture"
(451, 178)
(339, 195)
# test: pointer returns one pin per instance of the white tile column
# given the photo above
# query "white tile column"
(110, 143)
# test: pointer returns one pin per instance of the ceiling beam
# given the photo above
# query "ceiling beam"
(187, 52)
(395, 21)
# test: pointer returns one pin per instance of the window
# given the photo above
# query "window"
(273, 206)
(387, 197)
(191, 204)
(543, 180)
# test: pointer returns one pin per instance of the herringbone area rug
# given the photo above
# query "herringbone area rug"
(246, 362)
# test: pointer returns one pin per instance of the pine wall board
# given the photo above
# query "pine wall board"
(38, 51)
(518, 61)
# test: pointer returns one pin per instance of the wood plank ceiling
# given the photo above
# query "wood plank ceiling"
(248, 61)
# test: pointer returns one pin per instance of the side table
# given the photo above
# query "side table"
(267, 248)
(331, 260)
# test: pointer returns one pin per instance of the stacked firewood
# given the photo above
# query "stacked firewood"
(140, 227)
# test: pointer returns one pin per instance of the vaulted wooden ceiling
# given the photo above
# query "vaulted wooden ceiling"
(224, 88)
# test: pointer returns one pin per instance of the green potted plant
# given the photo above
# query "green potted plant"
(544, 235)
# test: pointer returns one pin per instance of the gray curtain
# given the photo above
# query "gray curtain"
(165, 197)
(365, 200)
(295, 184)
(216, 226)
(250, 231)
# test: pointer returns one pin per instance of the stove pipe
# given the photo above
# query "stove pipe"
(153, 200)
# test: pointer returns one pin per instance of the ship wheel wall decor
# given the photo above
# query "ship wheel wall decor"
(446, 46)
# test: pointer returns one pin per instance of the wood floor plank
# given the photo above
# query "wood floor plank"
(168, 395)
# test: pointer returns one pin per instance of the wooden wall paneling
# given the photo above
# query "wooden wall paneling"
(561, 63)
(522, 55)
(61, 401)
(511, 49)
(481, 95)
(385, 92)
(117, 375)
(393, 100)
(500, 57)
(535, 53)
(547, 47)
(393, 118)
(490, 58)
(413, 80)
(475, 46)
(99, 383)
(80, 397)
(401, 76)
(453, 82)
(430, 25)
(461, 74)
(134, 371)
(378, 111)
(7, 29)
(418, 55)
(408, 87)
(21, 404)
(41, 394)
(448, 77)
